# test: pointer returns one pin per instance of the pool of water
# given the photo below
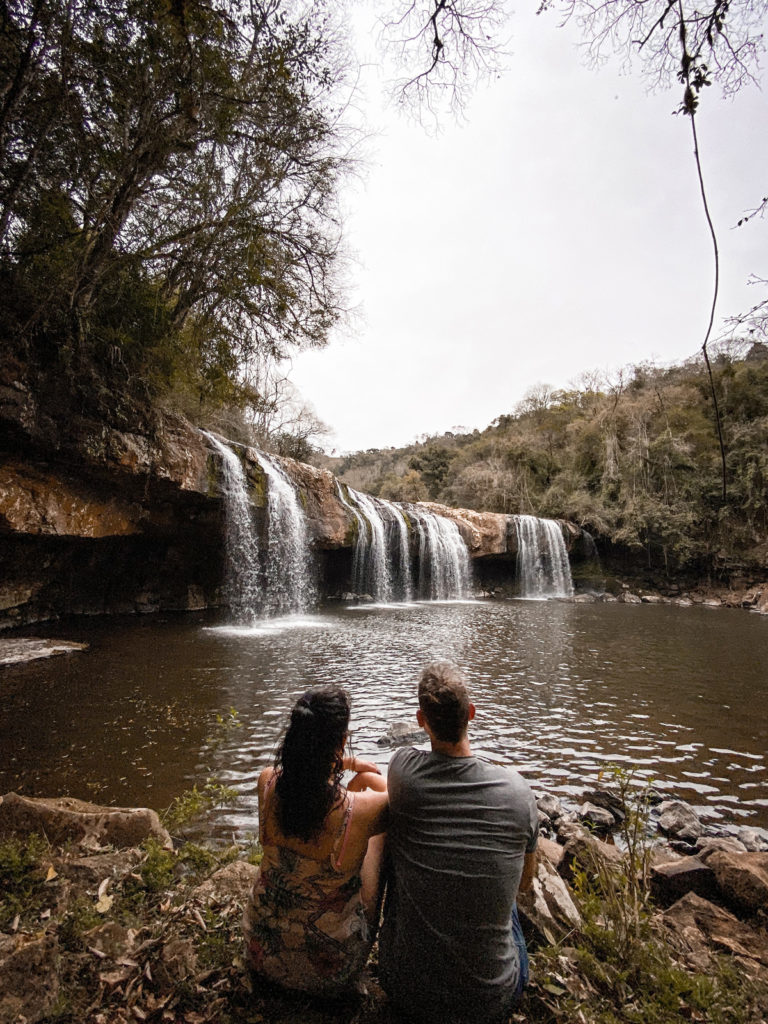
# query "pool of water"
(563, 691)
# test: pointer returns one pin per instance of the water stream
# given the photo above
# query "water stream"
(543, 569)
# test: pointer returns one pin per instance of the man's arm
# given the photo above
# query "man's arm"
(529, 871)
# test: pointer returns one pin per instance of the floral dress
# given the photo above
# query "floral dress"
(305, 927)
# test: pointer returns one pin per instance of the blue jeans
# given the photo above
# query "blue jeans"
(517, 935)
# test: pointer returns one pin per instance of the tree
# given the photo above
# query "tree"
(168, 178)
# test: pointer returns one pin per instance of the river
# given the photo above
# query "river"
(563, 691)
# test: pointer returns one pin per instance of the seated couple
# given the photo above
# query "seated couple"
(459, 835)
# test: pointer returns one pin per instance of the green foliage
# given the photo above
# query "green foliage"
(632, 458)
(619, 969)
(194, 802)
(168, 181)
(79, 918)
(22, 878)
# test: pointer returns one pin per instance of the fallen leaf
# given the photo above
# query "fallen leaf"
(52, 873)
(15, 923)
(104, 904)
(45, 915)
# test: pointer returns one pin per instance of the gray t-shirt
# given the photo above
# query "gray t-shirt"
(459, 830)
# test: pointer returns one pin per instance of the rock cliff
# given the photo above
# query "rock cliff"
(100, 515)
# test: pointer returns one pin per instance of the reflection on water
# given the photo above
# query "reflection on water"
(562, 690)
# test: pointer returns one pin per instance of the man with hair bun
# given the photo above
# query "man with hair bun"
(462, 841)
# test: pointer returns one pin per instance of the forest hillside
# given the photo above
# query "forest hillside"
(634, 458)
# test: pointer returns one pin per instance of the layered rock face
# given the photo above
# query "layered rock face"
(98, 516)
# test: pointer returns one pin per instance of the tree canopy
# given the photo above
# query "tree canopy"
(168, 185)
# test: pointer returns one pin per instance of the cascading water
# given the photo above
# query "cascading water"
(543, 569)
(382, 566)
(444, 569)
(400, 552)
(242, 591)
(289, 586)
(370, 565)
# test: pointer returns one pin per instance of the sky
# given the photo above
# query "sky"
(557, 229)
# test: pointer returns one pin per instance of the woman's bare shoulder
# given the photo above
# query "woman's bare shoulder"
(264, 778)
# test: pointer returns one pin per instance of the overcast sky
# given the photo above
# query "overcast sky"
(559, 229)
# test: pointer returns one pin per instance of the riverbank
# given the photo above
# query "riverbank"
(117, 922)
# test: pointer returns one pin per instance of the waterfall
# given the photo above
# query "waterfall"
(400, 551)
(542, 559)
(289, 586)
(382, 565)
(444, 570)
(242, 571)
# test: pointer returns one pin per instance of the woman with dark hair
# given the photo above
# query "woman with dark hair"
(313, 911)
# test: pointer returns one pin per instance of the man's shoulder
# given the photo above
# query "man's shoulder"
(406, 757)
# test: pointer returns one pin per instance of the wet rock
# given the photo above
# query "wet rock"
(550, 805)
(596, 817)
(29, 978)
(400, 733)
(547, 911)
(742, 879)
(706, 845)
(752, 840)
(628, 598)
(233, 881)
(652, 599)
(697, 928)
(19, 650)
(674, 879)
(608, 800)
(65, 819)
(679, 820)
(585, 599)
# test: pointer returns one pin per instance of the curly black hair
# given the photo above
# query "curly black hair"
(309, 761)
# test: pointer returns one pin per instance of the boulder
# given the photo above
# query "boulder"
(673, 879)
(679, 820)
(752, 840)
(552, 851)
(233, 881)
(584, 852)
(742, 879)
(596, 817)
(608, 800)
(29, 977)
(549, 804)
(65, 819)
(706, 845)
(400, 733)
(698, 928)
(547, 911)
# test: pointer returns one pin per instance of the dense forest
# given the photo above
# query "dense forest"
(632, 457)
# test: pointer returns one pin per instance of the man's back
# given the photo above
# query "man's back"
(459, 831)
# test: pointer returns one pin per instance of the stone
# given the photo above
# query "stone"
(65, 819)
(679, 820)
(547, 911)
(673, 879)
(400, 733)
(90, 872)
(233, 881)
(585, 852)
(607, 799)
(110, 938)
(550, 805)
(29, 977)
(21, 649)
(628, 598)
(706, 845)
(697, 928)
(752, 840)
(552, 851)
(742, 879)
(596, 817)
